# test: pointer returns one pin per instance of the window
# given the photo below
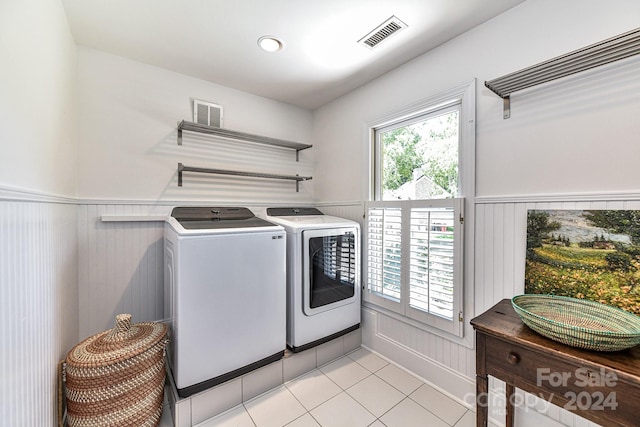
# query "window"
(414, 240)
(418, 156)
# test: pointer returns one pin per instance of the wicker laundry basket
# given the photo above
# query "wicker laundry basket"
(116, 378)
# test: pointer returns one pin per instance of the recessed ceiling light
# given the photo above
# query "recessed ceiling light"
(270, 43)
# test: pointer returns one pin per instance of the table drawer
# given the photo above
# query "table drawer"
(576, 387)
(515, 362)
(602, 387)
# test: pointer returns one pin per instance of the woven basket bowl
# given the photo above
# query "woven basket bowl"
(579, 323)
(116, 378)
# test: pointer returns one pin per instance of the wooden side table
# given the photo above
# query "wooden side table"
(600, 386)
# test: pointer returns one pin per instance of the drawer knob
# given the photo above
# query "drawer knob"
(513, 358)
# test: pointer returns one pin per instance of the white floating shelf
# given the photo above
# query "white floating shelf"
(133, 218)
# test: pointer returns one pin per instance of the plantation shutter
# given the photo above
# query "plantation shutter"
(414, 259)
(384, 251)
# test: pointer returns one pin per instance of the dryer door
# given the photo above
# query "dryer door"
(331, 268)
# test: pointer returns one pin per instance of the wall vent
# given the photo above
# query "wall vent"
(207, 113)
(382, 32)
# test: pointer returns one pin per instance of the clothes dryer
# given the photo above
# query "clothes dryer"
(323, 275)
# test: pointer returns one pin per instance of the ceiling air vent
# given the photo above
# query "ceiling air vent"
(382, 32)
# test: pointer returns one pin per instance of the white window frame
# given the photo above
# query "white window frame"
(452, 106)
(464, 96)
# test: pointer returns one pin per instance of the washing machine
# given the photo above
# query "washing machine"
(323, 275)
(225, 294)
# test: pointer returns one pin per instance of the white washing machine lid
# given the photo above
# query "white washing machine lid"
(299, 219)
(218, 220)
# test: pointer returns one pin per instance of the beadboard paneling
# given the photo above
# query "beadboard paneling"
(120, 270)
(38, 300)
(353, 211)
(500, 249)
(500, 241)
(121, 263)
(120, 266)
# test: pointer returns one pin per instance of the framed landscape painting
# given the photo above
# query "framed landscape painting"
(591, 254)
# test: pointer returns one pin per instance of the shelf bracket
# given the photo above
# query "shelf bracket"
(506, 107)
(179, 136)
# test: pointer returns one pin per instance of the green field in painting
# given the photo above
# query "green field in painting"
(583, 273)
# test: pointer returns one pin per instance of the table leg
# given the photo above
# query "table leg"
(482, 383)
(482, 401)
(510, 391)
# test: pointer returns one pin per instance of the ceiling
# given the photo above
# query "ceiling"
(216, 40)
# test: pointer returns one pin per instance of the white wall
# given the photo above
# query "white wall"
(556, 129)
(37, 79)
(127, 116)
(573, 142)
(127, 160)
(38, 237)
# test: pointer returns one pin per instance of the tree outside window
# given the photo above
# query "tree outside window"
(420, 159)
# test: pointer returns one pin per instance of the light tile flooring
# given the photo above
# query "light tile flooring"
(356, 390)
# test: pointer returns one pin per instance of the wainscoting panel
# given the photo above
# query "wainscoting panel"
(120, 265)
(500, 250)
(120, 270)
(38, 306)
(353, 211)
(500, 241)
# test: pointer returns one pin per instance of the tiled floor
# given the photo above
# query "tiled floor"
(356, 390)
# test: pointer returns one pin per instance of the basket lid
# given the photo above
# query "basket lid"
(122, 342)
